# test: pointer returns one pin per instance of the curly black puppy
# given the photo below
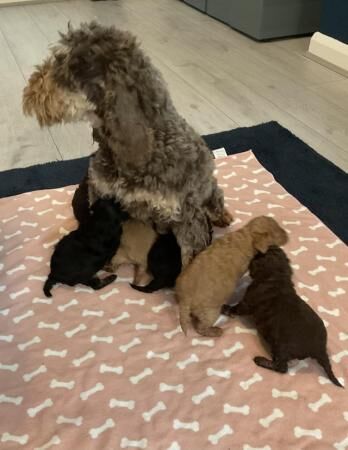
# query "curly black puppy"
(288, 325)
(163, 262)
(85, 251)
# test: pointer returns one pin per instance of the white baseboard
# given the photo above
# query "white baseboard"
(22, 2)
(329, 51)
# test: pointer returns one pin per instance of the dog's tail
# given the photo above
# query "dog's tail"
(325, 363)
(153, 286)
(184, 316)
(50, 282)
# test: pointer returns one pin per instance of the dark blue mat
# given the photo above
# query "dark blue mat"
(315, 182)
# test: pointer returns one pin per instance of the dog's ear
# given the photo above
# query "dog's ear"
(128, 125)
(261, 241)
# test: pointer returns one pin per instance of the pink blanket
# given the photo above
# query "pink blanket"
(111, 369)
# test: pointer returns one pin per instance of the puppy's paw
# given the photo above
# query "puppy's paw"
(211, 332)
(224, 220)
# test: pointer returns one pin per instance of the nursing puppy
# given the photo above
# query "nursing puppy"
(136, 241)
(287, 324)
(85, 251)
(164, 263)
(210, 279)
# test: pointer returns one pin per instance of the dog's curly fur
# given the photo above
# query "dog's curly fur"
(287, 324)
(210, 279)
(149, 158)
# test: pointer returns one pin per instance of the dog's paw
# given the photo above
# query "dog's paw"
(225, 220)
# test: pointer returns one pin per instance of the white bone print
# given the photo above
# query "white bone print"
(299, 366)
(150, 355)
(32, 412)
(225, 431)
(165, 304)
(77, 421)
(54, 441)
(87, 313)
(314, 287)
(52, 326)
(339, 356)
(126, 443)
(62, 384)
(183, 364)
(13, 400)
(95, 432)
(208, 392)
(240, 330)
(148, 415)
(8, 437)
(14, 295)
(70, 333)
(332, 312)
(135, 379)
(179, 425)
(104, 368)
(18, 319)
(109, 294)
(129, 404)
(245, 385)
(124, 348)
(103, 339)
(229, 351)
(172, 333)
(218, 373)
(25, 345)
(78, 361)
(72, 302)
(299, 250)
(342, 445)
(96, 388)
(129, 301)
(115, 320)
(244, 410)
(179, 388)
(6, 338)
(9, 367)
(143, 326)
(276, 414)
(29, 376)
(203, 342)
(302, 432)
(285, 394)
(58, 353)
(319, 269)
(337, 292)
(324, 400)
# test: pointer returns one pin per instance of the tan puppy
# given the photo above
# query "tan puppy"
(136, 242)
(210, 279)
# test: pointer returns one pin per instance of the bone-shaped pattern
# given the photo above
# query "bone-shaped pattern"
(159, 308)
(71, 303)
(183, 364)
(55, 440)
(29, 376)
(276, 393)
(78, 361)
(50, 326)
(244, 410)
(224, 431)
(249, 447)
(77, 421)
(95, 432)
(150, 355)
(115, 320)
(299, 366)
(229, 351)
(129, 404)
(62, 384)
(124, 348)
(25, 345)
(70, 333)
(324, 380)
(96, 388)
(103, 339)
(6, 338)
(208, 392)
(13, 400)
(302, 432)
(104, 368)
(109, 294)
(32, 412)
(172, 333)
(143, 326)
(21, 440)
(9, 367)
(174, 446)
(267, 421)
(339, 356)
(164, 387)
(218, 373)
(126, 443)
(135, 379)
(332, 312)
(160, 406)
(58, 353)
(245, 385)
(179, 425)
(324, 400)
(88, 313)
(342, 445)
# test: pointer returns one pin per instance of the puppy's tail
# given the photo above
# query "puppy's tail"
(50, 282)
(325, 363)
(153, 286)
(184, 316)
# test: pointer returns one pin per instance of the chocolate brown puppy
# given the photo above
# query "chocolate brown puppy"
(288, 325)
(206, 284)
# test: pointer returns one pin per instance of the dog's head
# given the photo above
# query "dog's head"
(265, 232)
(70, 83)
(274, 261)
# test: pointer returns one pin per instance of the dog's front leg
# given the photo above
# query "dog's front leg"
(193, 234)
(215, 206)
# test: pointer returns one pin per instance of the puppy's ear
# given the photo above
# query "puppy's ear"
(261, 241)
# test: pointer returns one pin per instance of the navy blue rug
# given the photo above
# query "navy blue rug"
(314, 181)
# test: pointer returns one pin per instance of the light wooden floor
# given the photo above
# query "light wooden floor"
(219, 79)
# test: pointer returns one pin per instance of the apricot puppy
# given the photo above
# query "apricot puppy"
(136, 242)
(205, 285)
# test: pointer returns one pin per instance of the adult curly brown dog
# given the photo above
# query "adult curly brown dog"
(210, 279)
(149, 158)
(291, 328)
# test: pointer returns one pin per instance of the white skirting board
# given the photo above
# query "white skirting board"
(330, 52)
(22, 2)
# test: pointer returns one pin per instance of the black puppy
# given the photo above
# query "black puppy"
(85, 251)
(288, 325)
(163, 262)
